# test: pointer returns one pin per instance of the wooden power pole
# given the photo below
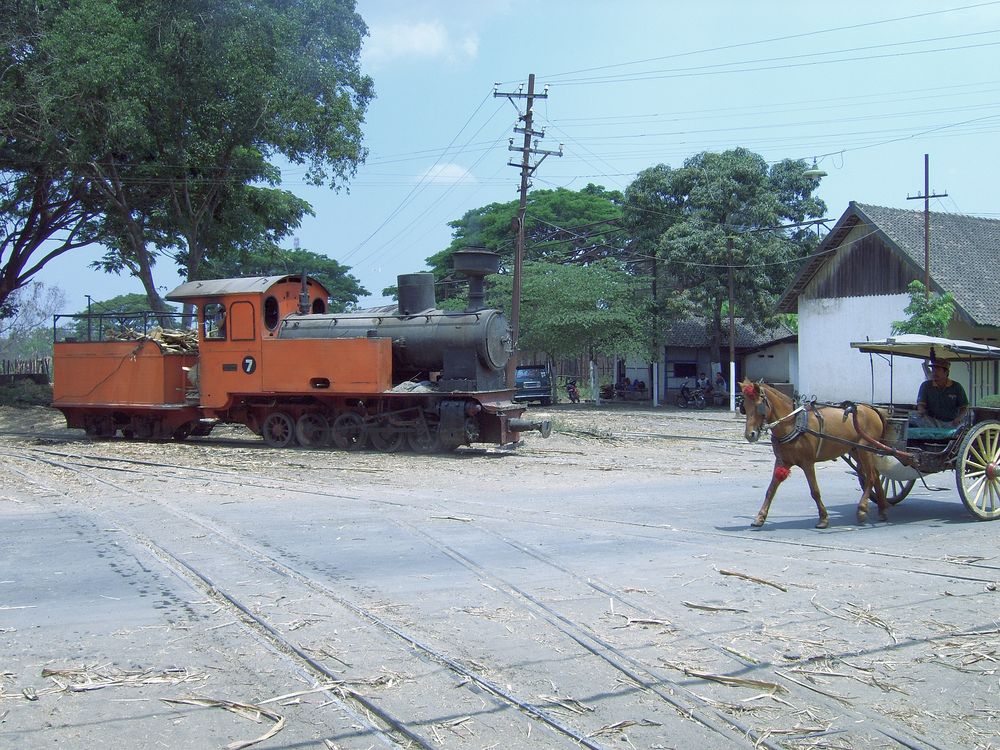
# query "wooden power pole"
(927, 222)
(528, 148)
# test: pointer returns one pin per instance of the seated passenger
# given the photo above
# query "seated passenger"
(941, 402)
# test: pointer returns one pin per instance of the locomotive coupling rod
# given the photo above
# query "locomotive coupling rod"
(541, 426)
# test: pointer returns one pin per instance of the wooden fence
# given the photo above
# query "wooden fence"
(39, 370)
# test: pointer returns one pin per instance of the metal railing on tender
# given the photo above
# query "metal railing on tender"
(119, 326)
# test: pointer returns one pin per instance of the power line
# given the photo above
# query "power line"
(785, 37)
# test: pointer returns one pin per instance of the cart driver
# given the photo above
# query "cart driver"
(941, 402)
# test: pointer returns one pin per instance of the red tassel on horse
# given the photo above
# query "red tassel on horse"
(781, 473)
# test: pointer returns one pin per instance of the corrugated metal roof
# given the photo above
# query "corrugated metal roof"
(964, 252)
(212, 287)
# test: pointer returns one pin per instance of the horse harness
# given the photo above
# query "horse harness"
(801, 426)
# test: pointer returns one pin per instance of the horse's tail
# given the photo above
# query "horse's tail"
(883, 414)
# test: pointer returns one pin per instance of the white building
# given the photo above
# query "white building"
(854, 288)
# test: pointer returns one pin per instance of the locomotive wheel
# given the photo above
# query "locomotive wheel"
(278, 430)
(349, 432)
(101, 428)
(977, 470)
(425, 442)
(386, 438)
(312, 430)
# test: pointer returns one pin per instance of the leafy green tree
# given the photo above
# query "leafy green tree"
(567, 310)
(928, 315)
(720, 211)
(45, 209)
(561, 226)
(172, 111)
(345, 289)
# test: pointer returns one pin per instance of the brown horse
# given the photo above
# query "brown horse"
(804, 436)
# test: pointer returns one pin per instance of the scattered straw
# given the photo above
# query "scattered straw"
(246, 710)
(710, 608)
(746, 577)
(621, 726)
(96, 678)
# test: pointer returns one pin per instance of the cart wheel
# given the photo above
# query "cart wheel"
(278, 429)
(349, 432)
(312, 430)
(977, 470)
(895, 489)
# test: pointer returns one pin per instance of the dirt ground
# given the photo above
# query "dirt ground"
(600, 588)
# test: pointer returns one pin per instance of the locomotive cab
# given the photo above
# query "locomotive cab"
(242, 360)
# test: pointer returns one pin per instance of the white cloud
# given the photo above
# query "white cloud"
(447, 174)
(428, 40)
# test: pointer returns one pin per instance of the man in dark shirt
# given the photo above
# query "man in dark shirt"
(941, 402)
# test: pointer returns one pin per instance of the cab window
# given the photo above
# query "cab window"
(270, 313)
(214, 317)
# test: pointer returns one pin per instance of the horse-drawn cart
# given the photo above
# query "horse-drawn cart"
(878, 442)
(972, 449)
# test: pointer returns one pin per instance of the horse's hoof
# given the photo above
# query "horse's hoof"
(883, 517)
(823, 523)
(757, 523)
(862, 519)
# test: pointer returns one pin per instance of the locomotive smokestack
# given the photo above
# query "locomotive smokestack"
(476, 263)
(416, 292)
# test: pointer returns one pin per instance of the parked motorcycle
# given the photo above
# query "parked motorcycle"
(572, 391)
(691, 398)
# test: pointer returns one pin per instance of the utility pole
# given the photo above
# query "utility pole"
(732, 324)
(527, 169)
(927, 222)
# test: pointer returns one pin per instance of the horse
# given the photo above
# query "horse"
(809, 434)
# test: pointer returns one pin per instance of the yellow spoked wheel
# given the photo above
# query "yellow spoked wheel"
(977, 470)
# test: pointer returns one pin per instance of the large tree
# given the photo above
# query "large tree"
(568, 310)
(721, 212)
(561, 226)
(46, 209)
(171, 110)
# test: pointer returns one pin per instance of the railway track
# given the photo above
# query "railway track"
(647, 677)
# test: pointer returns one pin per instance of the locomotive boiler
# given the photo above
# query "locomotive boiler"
(269, 356)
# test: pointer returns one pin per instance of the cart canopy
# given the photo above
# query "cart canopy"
(929, 347)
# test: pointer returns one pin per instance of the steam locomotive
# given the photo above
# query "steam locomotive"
(269, 356)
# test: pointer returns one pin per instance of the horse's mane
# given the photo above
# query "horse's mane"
(775, 394)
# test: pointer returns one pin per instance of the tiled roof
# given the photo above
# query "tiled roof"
(693, 332)
(964, 255)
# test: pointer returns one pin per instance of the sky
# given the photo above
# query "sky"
(865, 89)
